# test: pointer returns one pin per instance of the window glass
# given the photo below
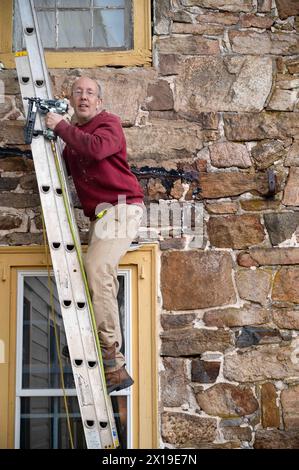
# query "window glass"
(109, 28)
(40, 357)
(73, 3)
(45, 3)
(74, 29)
(109, 3)
(47, 31)
(76, 24)
(44, 423)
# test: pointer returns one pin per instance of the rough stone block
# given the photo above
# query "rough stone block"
(232, 317)
(184, 430)
(204, 371)
(252, 335)
(287, 8)
(227, 401)
(194, 341)
(291, 192)
(174, 382)
(223, 84)
(235, 231)
(223, 5)
(185, 276)
(262, 363)
(254, 285)
(285, 286)
(269, 408)
(290, 412)
(220, 184)
(276, 439)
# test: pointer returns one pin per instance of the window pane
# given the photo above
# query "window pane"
(44, 3)
(120, 408)
(109, 28)
(109, 3)
(121, 311)
(46, 23)
(73, 3)
(40, 358)
(44, 423)
(74, 29)
(40, 365)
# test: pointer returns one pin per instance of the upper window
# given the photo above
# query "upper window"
(82, 33)
(99, 24)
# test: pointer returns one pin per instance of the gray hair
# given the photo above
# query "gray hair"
(100, 94)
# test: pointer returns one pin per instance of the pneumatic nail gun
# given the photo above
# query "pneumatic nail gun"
(44, 107)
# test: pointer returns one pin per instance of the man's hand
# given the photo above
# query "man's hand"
(52, 119)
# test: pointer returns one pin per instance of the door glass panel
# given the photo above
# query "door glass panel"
(40, 356)
(43, 422)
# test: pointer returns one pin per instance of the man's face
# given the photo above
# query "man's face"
(85, 99)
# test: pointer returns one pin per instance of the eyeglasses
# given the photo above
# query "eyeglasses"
(89, 93)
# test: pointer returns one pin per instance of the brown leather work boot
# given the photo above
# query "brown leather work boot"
(118, 380)
(108, 355)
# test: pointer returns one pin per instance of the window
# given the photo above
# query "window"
(40, 413)
(32, 413)
(108, 32)
(99, 24)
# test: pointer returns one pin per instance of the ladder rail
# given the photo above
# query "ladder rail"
(62, 266)
(41, 74)
(67, 267)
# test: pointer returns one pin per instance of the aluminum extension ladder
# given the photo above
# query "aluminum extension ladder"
(80, 328)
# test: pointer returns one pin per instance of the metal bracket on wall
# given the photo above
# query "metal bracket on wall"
(271, 178)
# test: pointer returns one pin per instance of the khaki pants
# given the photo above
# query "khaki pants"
(109, 239)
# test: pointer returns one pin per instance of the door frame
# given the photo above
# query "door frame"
(143, 264)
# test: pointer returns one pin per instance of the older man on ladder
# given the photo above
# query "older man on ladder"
(95, 156)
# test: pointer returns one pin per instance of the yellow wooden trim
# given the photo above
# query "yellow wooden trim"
(135, 362)
(86, 60)
(4, 367)
(145, 348)
(140, 55)
(6, 26)
(13, 359)
(142, 263)
(142, 24)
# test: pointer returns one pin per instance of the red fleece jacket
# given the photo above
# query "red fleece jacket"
(95, 156)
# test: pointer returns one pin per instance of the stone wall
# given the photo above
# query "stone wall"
(221, 99)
